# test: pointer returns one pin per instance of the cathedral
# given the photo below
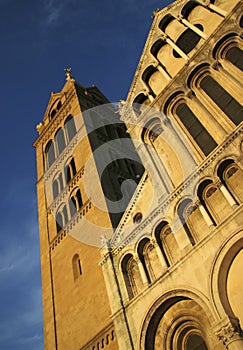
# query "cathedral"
(140, 202)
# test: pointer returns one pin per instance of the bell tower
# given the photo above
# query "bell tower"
(75, 191)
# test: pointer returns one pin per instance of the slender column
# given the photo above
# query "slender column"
(142, 271)
(174, 46)
(207, 3)
(208, 122)
(217, 10)
(159, 254)
(231, 71)
(192, 27)
(147, 92)
(162, 71)
(205, 215)
(227, 195)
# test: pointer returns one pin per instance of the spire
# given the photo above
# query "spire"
(68, 73)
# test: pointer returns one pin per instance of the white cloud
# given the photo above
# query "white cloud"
(53, 11)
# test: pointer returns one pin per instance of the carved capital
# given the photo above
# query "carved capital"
(166, 121)
(164, 36)
(189, 94)
(206, 2)
(230, 332)
(216, 65)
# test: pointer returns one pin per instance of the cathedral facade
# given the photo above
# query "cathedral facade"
(140, 204)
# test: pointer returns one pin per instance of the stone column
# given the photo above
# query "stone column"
(216, 9)
(174, 46)
(159, 254)
(147, 92)
(162, 71)
(227, 195)
(197, 107)
(205, 215)
(142, 271)
(231, 335)
(192, 27)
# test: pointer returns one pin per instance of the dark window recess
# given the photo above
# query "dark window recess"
(70, 127)
(235, 56)
(55, 189)
(72, 206)
(187, 40)
(196, 129)
(50, 153)
(223, 99)
(137, 218)
(195, 342)
(65, 215)
(59, 223)
(60, 140)
(79, 198)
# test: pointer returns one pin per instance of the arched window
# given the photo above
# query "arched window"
(214, 201)
(60, 140)
(167, 243)
(138, 102)
(183, 215)
(235, 56)
(55, 190)
(50, 154)
(201, 136)
(188, 40)
(223, 99)
(72, 206)
(149, 258)
(75, 203)
(70, 170)
(231, 176)
(152, 130)
(57, 186)
(143, 256)
(156, 47)
(131, 275)
(77, 267)
(53, 113)
(59, 222)
(147, 74)
(241, 22)
(61, 218)
(70, 127)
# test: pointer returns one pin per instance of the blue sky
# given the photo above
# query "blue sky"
(101, 41)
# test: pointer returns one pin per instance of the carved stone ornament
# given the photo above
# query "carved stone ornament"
(206, 2)
(216, 65)
(229, 333)
(39, 127)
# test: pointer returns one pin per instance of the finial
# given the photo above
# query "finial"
(154, 12)
(39, 127)
(68, 73)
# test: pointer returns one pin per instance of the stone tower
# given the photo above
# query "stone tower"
(73, 218)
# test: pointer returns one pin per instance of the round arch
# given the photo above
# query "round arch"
(162, 305)
(219, 274)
